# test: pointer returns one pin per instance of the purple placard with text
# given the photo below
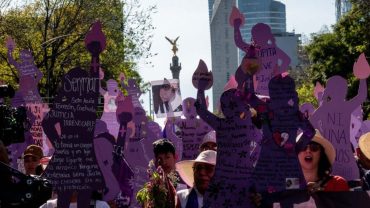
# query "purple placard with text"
(74, 167)
(333, 119)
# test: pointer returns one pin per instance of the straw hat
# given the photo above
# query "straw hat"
(364, 144)
(326, 144)
(185, 167)
(33, 150)
(209, 137)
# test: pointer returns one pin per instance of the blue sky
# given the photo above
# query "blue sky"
(189, 20)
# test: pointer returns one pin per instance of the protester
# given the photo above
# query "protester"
(31, 158)
(316, 160)
(95, 202)
(363, 160)
(165, 156)
(209, 142)
(197, 174)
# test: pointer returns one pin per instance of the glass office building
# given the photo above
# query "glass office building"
(341, 8)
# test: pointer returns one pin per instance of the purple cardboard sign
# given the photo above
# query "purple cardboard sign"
(139, 151)
(192, 129)
(307, 109)
(231, 181)
(355, 126)
(120, 167)
(278, 168)
(27, 96)
(167, 98)
(318, 92)
(365, 128)
(133, 90)
(73, 167)
(103, 147)
(272, 59)
(333, 119)
(170, 134)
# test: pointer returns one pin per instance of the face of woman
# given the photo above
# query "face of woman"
(309, 157)
(166, 93)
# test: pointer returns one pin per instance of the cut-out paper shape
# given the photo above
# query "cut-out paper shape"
(201, 73)
(236, 14)
(167, 98)
(231, 84)
(171, 134)
(365, 128)
(278, 168)
(73, 167)
(110, 107)
(192, 129)
(307, 109)
(133, 90)
(103, 146)
(120, 167)
(318, 92)
(28, 96)
(139, 151)
(333, 119)
(355, 126)
(231, 181)
(361, 68)
(271, 57)
(155, 128)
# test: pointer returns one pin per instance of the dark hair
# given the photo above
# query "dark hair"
(157, 100)
(324, 168)
(163, 146)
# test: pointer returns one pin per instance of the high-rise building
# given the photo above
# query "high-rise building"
(341, 8)
(224, 51)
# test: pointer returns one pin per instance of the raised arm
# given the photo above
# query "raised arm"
(238, 39)
(236, 20)
(203, 112)
(360, 97)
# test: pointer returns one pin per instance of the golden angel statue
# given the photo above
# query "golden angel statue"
(174, 45)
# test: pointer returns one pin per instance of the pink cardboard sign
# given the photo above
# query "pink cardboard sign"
(361, 68)
(110, 107)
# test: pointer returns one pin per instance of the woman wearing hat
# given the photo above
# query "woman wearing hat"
(316, 160)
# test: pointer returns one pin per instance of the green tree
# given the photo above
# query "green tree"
(54, 31)
(334, 53)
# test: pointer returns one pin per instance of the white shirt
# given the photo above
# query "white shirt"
(183, 196)
(52, 203)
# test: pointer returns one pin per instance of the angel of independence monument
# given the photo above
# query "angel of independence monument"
(175, 67)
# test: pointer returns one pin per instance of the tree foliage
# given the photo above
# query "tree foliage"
(334, 53)
(54, 30)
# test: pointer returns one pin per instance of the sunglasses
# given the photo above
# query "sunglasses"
(207, 168)
(314, 147)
